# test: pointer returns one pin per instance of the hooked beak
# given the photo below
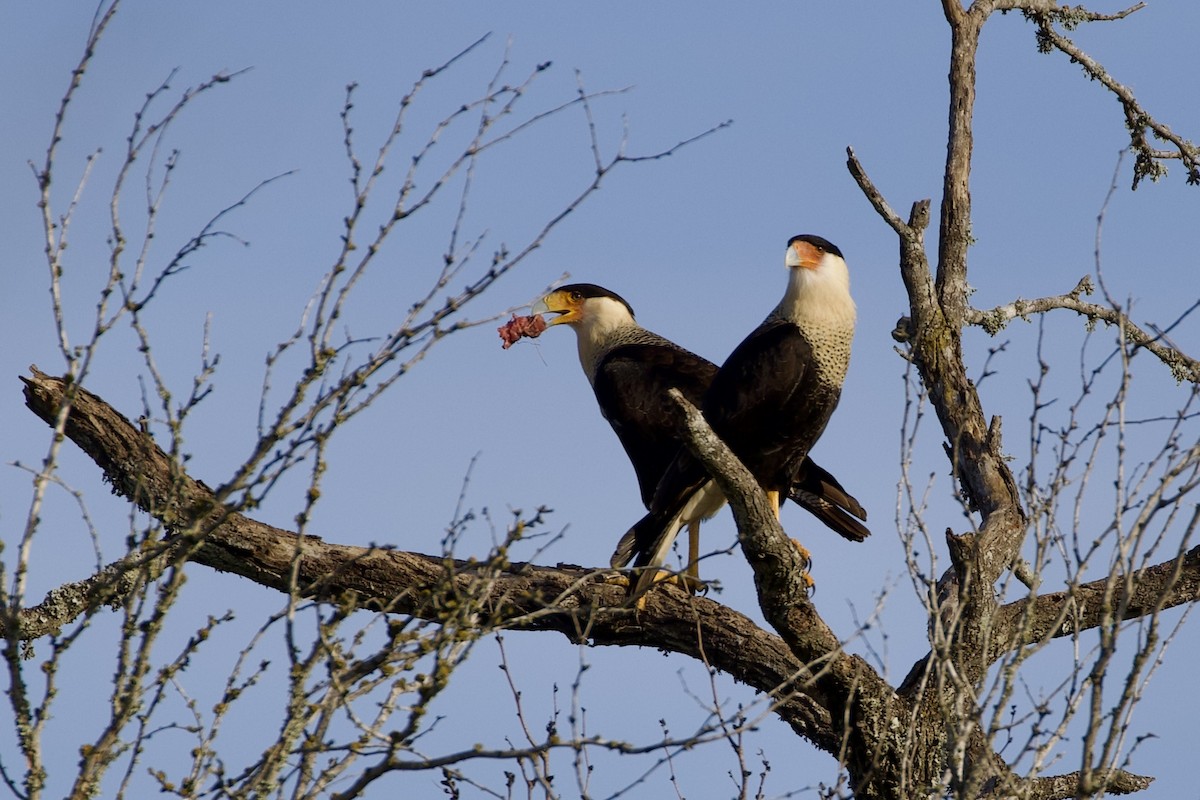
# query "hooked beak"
(803, 254)
(554, 304)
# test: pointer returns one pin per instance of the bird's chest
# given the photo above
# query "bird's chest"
(830, 353)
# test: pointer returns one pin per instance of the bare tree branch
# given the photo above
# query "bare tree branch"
(1182, 366)
(1073, 785)
(1137, 120)
(570, 600)
(844, 683)
(940, 733)
(965, 618)
(1039, 618)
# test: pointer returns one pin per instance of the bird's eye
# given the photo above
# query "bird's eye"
(576, 296)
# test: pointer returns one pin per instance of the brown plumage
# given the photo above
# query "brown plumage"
(631, 369)
(770, 402)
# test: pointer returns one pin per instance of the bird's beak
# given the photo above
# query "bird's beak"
(554, 303)
(803, 254)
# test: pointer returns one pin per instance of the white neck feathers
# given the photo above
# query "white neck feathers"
(818, 301)
(819, 297)
(604, 323)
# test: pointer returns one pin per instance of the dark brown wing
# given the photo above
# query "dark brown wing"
(631, 387)
(767, 403)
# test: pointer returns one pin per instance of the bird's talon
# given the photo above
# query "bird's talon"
(805, 555)
(615, 579)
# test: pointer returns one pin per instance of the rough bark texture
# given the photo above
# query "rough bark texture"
(922, 737)
(977, 631)
(570, 600)
(892, 739)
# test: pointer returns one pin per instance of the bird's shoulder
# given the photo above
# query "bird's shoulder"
(653, 367)
(774, 357)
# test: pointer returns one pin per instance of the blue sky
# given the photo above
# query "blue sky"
(694, 242)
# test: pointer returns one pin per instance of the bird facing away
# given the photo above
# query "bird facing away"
(770, 402)
(631, 370)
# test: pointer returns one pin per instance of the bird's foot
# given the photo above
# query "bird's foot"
(614, 578)
(805, 566)
(690, 583)
(689, 579)
(686, 580)
(805, 556)
(645, 583)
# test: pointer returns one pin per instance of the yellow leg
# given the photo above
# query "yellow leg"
(774, 498)
(691, 574)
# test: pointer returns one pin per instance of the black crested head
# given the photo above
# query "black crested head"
(589, 290)
(817, 241)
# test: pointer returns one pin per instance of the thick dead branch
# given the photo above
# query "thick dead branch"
(778, 567)
(1037, 619)
(937, 350)
(570, 600)
(938, 311)
(1061, 787)
(954, 229)
(847, 685)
